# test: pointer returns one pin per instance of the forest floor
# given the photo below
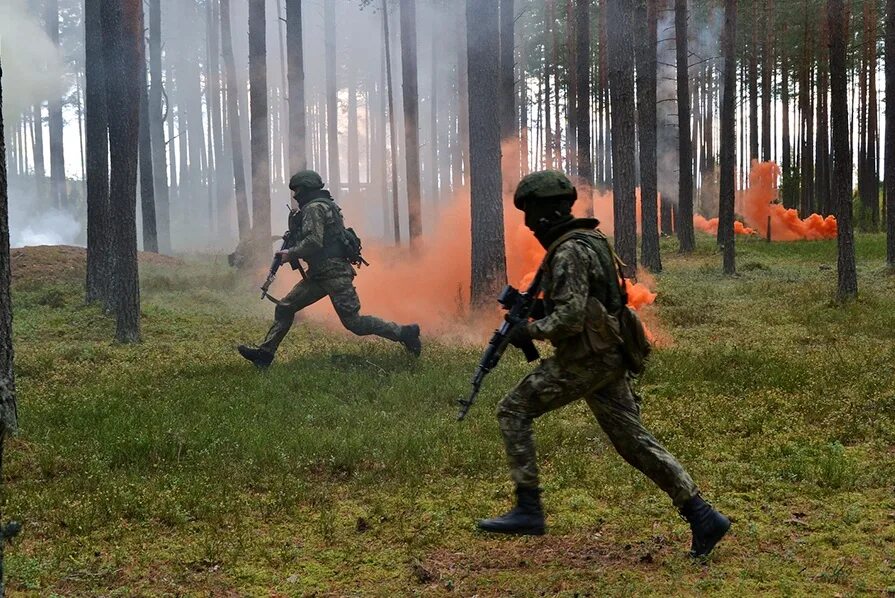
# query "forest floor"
(173, 467)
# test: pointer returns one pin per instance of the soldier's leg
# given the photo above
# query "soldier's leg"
(548, 387)
(347, 305)
(618, 412)
(302, 295)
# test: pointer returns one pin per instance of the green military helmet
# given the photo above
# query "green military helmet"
(306, 179)
(544, 184)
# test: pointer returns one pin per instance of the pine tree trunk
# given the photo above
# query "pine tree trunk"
(332, 100)
(410, 96)
(571, 145)
(40, 172)
(353, 135)
(872, 176)
(216, 118)
(156, 129)
(548, 72)
(488, 250)
(583, 110)
(96, 127)
(507, 90)
(243, 221)
(298, 159)
(822, 173)
(57, 150)
(647, 35)
(392, 132)
(786, 160)
(123, 41)
(435, 165)
(147, 192)
(621, 89)
(842, 166)
(684, 219)
(753, 86)
(8, 415)
(807, 151)
(258, 123)
(890, 134)
(767, 67)
(727, 192)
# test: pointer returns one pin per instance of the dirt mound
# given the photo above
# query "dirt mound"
(63, 263)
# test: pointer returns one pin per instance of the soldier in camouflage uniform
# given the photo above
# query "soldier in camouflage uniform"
(329, 273)
(581, 294)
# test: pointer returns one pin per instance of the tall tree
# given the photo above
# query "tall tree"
(258, 123)
(767, 68)
(396, 225)
(786, 160)
(488, 249)
(621, 89)
(157, 130)
(243, 221)
(647, 36)
(842, 164)
(510, 162)
(332, 99)
(123, 42)
(684, 219)
(215, 117)
(8, 412)
(96, 127)
(57, 125)
(411, 118)
(40, 173)
(147, 191)
(583, 109)
(890, 135)
(726, 237)
(298, 158)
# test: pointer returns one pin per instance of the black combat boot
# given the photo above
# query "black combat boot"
(526, 518)
(410, 338)
(707, 524)
(259, 357)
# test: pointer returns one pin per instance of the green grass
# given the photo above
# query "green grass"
(172, 467)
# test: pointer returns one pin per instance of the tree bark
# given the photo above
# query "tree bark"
(147, 192)
(258, 123)
(726, 236)
(332, 99)
(40, 172)
(583, 109)
(890, 134)
(871, 174)
(97, 155)
(684, 220)
(621, 89)
(243, 221)
(392, 132)
(8, 411)
(156, 129)
(822, 170)
(510, 162)
(488, 250)
(647, 36)
(411, 118)
(842, 166)
(767, 67)
(298, 159)
(753, 85)
(786, 160)
(123, 42)
(57, 149)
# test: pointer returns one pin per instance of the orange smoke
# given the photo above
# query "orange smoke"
(710, 226)
(760, 204)
(429, 283)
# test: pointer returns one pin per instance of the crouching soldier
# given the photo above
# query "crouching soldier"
(330, 273)
(582, 292)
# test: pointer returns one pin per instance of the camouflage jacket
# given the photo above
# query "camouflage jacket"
(320, 223)
(581, 294)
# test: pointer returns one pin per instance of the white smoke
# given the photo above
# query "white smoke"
(32, 65)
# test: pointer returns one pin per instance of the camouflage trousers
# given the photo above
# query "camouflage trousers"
(344, 298)
(603, 383)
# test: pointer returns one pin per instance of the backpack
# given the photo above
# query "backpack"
(345, 243)
(635, 344)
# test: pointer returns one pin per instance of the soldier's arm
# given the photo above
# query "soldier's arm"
(313, 224)
(569, 269)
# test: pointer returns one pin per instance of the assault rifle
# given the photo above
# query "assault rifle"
(290, 238)
(519, 306)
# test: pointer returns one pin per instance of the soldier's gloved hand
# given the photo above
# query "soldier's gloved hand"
(519, 334)
(538, 311)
